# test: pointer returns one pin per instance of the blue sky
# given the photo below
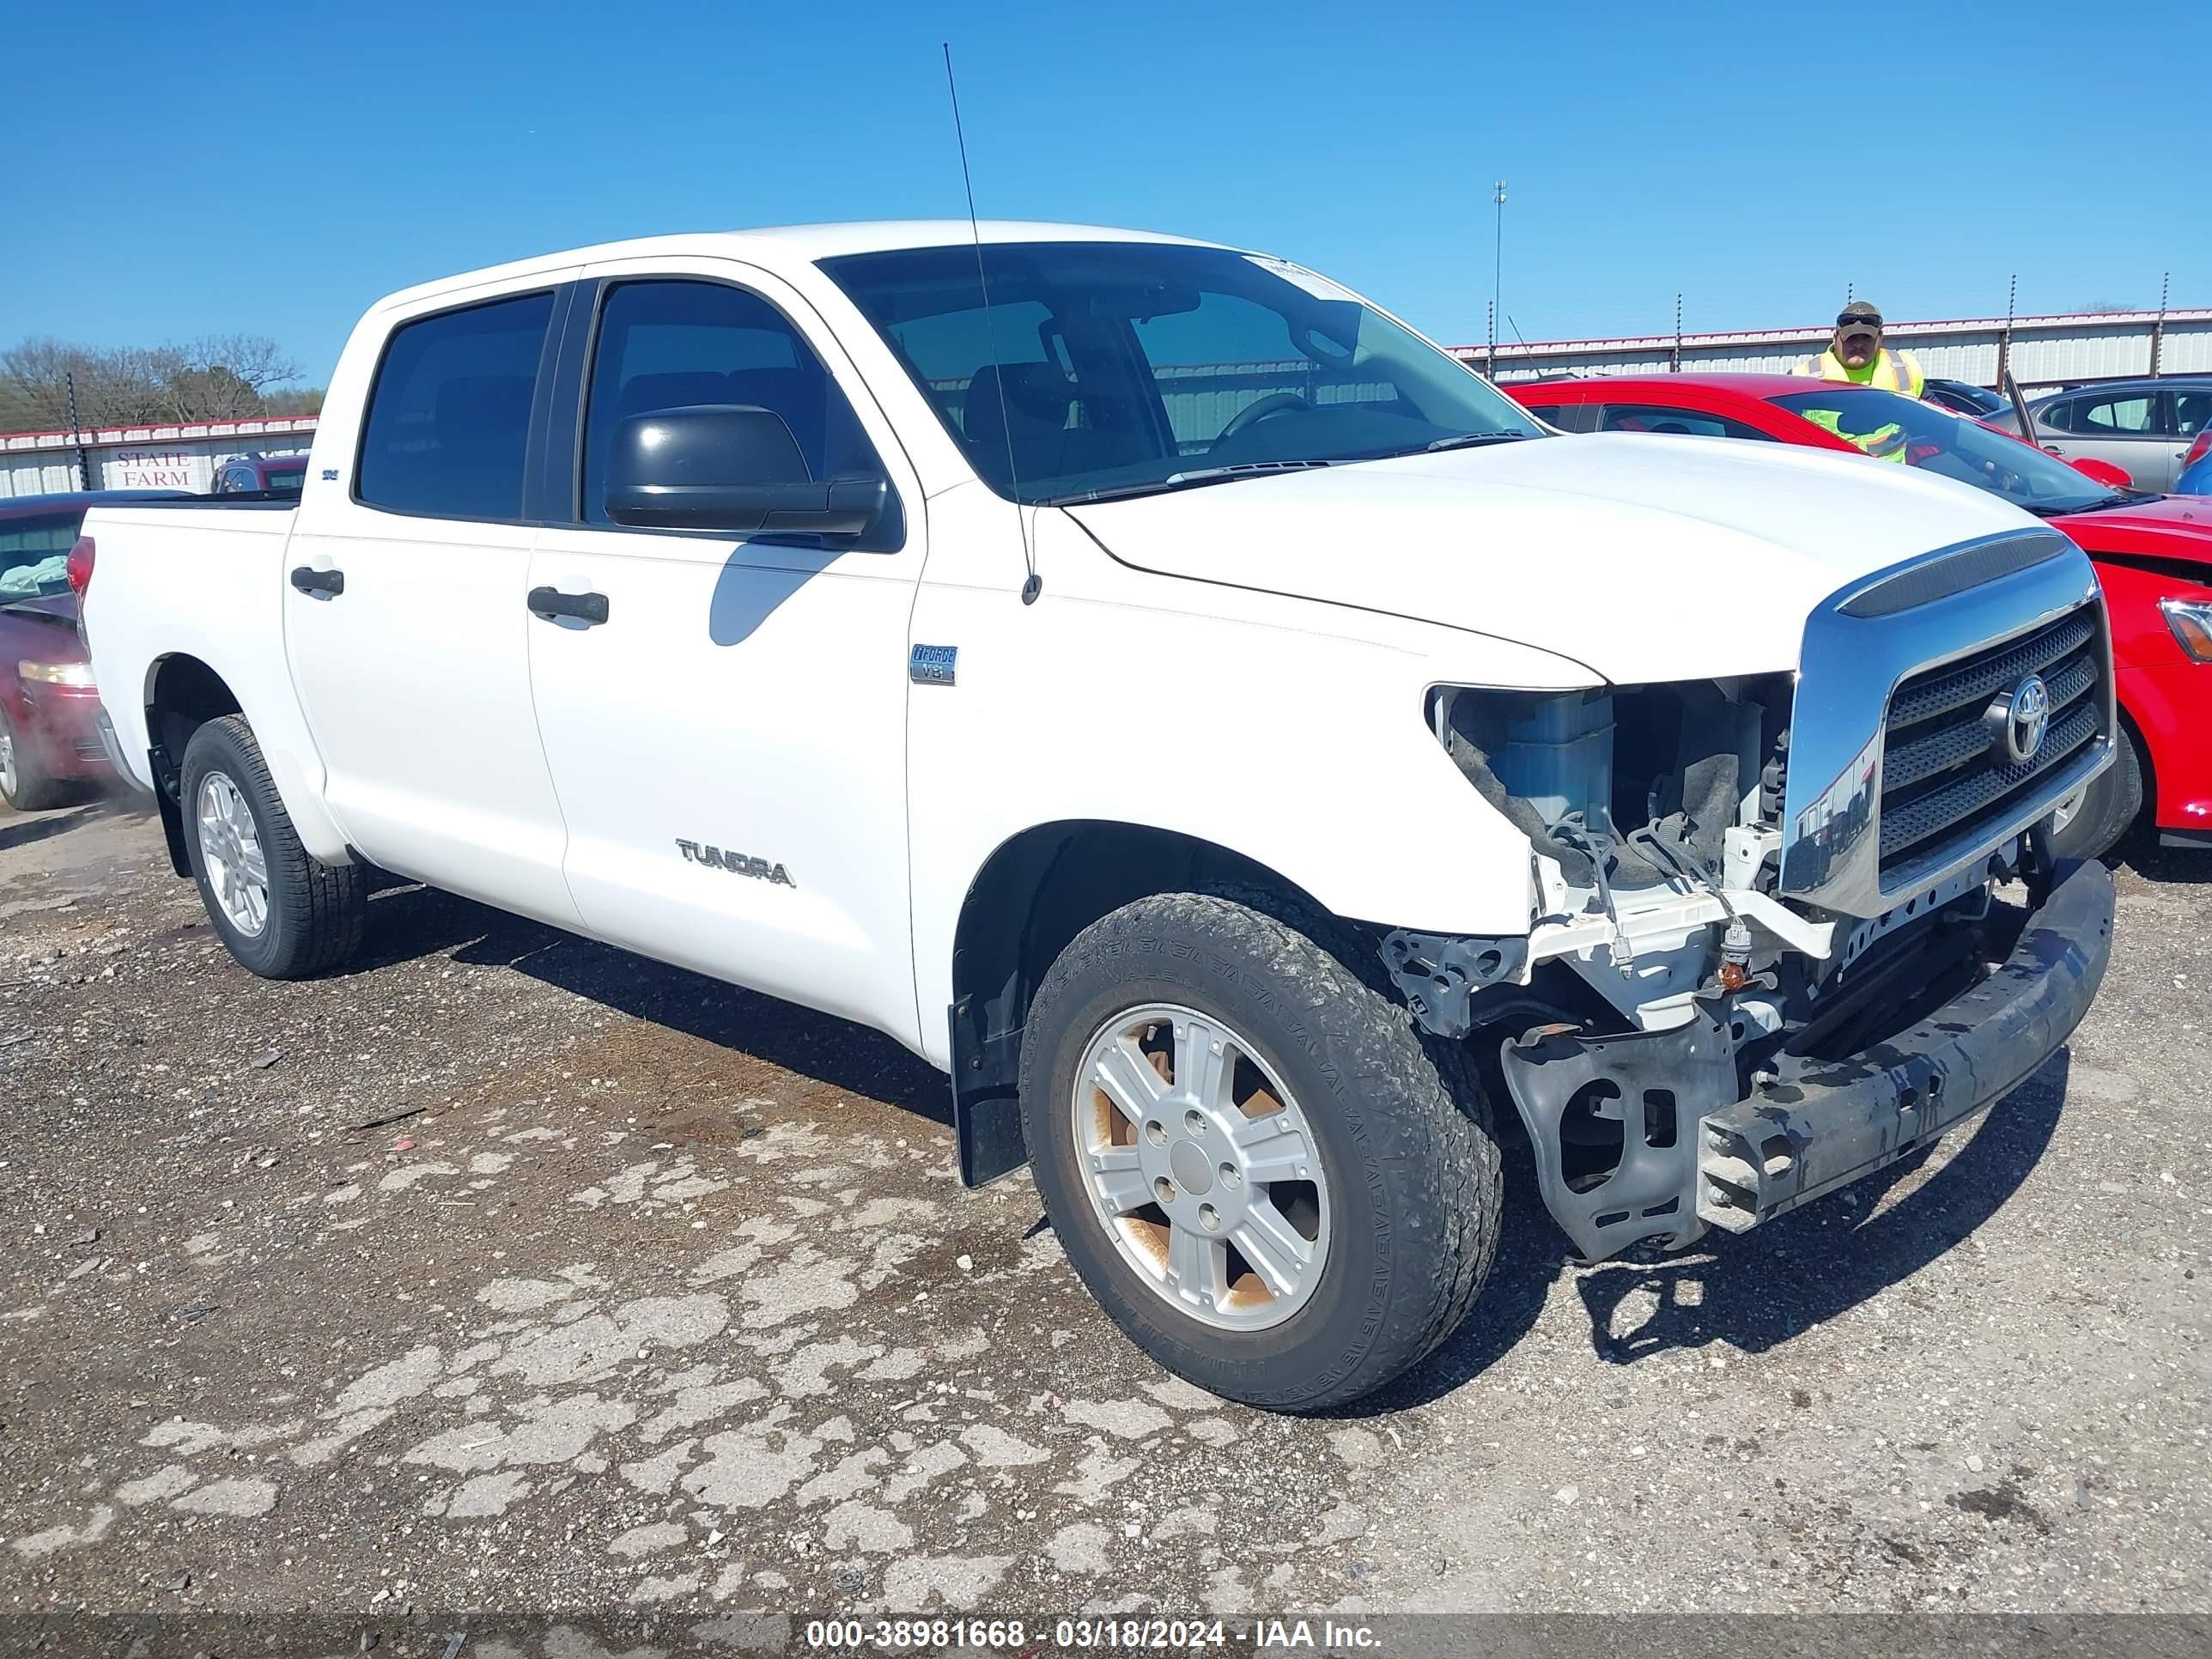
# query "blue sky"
(276, 171)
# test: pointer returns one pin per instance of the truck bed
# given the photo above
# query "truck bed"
(179, 584)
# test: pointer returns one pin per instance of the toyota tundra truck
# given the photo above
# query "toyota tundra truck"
(1241, 748)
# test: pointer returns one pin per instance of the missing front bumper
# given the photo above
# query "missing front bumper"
(1693, 1154)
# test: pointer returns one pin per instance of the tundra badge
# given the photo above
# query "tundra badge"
(735, 863)
(933, 664)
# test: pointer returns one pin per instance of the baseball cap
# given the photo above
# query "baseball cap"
(1859, 314)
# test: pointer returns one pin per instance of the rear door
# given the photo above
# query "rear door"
(406, 619)
(729, 740)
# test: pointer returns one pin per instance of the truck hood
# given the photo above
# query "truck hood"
(1644, 558)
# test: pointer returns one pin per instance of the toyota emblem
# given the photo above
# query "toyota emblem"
(2027, 717)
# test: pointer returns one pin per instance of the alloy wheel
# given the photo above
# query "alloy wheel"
(230, 851)
(1201, 1167)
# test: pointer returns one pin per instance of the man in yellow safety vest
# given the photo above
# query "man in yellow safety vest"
(1857, 355)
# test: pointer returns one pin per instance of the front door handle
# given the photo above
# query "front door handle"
(328, 583)
(589, 609)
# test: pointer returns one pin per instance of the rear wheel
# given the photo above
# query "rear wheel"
(280, 910)
(2087, 826)
(1271, 1183)
(24, 780)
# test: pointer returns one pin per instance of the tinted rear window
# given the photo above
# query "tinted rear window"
(34, 555)
(449, 416)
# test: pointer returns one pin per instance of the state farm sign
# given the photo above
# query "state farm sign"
(157, 468)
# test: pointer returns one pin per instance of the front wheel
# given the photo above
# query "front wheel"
(2087, 824)
(1271, 1183)
(282, 912)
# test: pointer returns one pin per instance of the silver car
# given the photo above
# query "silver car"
(2144, 427)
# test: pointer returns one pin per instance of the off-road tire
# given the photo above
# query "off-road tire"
(2109, 807)
(1405, 1132)
(317, 911)
(31, 788)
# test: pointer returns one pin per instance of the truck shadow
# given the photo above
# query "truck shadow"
(407, 922)
(18, 831)
(1755, 1292)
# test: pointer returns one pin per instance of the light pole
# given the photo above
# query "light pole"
(1497, 272)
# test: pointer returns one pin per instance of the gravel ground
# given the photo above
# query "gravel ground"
(509, 1270)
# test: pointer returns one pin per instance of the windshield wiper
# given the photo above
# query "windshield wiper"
(2101, 504)
(1193, 479)
(1476, 439)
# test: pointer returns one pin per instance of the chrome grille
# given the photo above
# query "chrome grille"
(1945, 776)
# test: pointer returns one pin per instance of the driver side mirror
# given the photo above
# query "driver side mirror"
(730, 467)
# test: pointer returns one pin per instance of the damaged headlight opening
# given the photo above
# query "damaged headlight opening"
(1663, 976)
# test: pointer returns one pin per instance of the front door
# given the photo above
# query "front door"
(404, 613)
(726, 718)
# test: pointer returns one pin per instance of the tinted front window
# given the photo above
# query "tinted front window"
(1938, 441)
(1568, 417)
(34, 555)
(449, 419)
(1684, 422)
(1119, 367)
(672, 344)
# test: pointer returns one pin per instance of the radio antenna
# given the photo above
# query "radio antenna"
(1032, 586)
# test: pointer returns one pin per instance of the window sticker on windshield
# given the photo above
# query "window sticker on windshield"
(1298, 276)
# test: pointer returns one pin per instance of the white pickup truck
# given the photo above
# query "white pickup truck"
(1223, 731)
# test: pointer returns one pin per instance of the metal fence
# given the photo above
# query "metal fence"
(2042, 353)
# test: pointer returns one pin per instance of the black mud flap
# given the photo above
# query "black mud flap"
(165, 787)
(986, 1115)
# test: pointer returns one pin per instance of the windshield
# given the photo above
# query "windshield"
(34, 555)
(1885, 424)
(1110, 368)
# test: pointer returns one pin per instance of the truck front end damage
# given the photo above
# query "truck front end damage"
(1770, 952)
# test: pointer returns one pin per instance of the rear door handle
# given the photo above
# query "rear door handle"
(589, 609)
(328, 583)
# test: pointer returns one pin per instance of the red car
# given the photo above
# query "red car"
(2153, 553)
(49, 742)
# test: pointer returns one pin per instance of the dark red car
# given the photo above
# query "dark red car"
(247, 475)
(2153, 553)
(49, 742)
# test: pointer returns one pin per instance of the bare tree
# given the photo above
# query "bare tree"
(218, 378)
(292, 400)
(258, 361)
(33, 378)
